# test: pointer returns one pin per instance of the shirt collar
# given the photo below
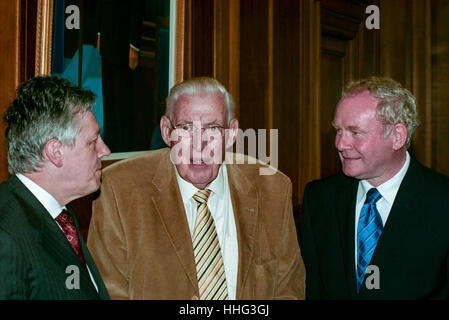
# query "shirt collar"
(389, 188)
(45, 198)
(188, 190)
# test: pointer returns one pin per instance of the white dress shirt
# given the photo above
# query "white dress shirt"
(220, 206)
(388, 191)
(49, 202)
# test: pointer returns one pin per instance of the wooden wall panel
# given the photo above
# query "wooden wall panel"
(333, 56)
(202, 38)
(253, 63)
(395, 40)
(421, 81)
(440, 85)
(285, 80)
(309, 158)
(197, 46)
(227, 46)
(9, 67)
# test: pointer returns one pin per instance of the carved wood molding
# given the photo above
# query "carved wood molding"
(422, 77)
(341, 18)
(180, 40)
(310, 83)
(44, 33)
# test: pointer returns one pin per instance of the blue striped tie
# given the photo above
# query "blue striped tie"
(368, 232)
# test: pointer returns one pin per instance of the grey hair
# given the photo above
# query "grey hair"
(46, 107)
(395, 104)
(199, 85)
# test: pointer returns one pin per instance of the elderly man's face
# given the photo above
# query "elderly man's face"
(198, 142)
(364, 151)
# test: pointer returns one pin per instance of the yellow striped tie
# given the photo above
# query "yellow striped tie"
(209, 262)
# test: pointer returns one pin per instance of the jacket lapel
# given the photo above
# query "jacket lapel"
(245, 205)
(168, 203)
(57, 245)
(102, 291)
(52, 238)
(346, 201)
(402, 212)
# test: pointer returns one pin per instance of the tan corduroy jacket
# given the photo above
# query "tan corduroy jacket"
(140, 240)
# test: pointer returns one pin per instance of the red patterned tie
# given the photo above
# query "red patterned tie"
(67, 224)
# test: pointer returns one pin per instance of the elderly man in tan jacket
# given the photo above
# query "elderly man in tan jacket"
(194, 222)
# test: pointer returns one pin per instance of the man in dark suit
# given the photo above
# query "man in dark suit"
(54, 156)
(379, 229)
(119, 27)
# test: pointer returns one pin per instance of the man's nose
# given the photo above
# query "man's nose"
(197, 139)
(342, 142)
(104, 150)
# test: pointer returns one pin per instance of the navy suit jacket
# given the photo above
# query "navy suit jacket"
(412, 252)
(35, 254)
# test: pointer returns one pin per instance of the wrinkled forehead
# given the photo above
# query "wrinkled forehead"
(358, 101)
(200, 105)
(87, 123)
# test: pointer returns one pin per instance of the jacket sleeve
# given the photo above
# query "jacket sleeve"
(307, 244)
(291, 274)
(107, 244)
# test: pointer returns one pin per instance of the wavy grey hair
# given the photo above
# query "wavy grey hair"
(199, 85)
(395, 104)
(46, 107)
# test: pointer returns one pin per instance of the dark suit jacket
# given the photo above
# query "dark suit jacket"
(140, 239)
(120, 24)
(34, 252)
(412, 252)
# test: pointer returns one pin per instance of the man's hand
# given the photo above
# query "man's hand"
(133, 58)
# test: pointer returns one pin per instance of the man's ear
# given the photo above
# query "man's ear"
(165, 130)
(53, 152)
(231, 133)
(399, 135)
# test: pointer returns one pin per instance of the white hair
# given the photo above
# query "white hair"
(199, 85)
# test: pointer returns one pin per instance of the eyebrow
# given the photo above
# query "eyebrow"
(213, 122)
(95, 133)
(350, 128)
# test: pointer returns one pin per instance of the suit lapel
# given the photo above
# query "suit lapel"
(401, 213)
(395, 229)
(52, 238)
(57, 245)
(346, 217)
(103, 293)
(168, 203)
(245, 205)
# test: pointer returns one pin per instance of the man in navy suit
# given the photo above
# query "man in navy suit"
(379, 229)
(54, 156)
